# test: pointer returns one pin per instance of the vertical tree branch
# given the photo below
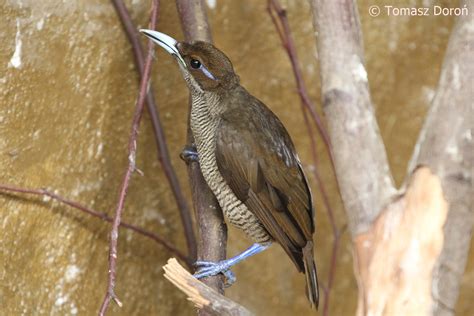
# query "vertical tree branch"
(445, 145)
(132, 150)
(349, 112)
(212, 228)
(193, 18)
(160, 139)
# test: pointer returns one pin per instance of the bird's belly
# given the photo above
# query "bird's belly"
(234, 210)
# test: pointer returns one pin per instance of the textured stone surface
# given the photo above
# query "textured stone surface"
(66, 103)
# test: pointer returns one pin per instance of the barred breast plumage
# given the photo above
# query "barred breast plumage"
(204, 125)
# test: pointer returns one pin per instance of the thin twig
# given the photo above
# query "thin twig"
(283, 28)
(160, 139)
(132, 150)
(335, 231)
(101, 215)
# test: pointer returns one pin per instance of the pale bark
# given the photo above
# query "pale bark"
(445, 145)
(394, 259)
(360, 159)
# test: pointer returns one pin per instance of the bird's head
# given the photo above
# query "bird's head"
(204, 67)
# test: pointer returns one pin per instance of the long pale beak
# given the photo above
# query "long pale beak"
(165, 41)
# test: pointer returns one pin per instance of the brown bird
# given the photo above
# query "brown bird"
(248, 160)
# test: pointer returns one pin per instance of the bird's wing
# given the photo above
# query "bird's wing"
(256, 157)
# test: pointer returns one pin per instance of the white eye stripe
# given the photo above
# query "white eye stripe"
(207, 72)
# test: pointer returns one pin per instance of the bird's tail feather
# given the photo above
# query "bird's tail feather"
(312, 288)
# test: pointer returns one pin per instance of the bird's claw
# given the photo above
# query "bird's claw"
(202, 263)
(230, 278)
(209, 268)
(189, 154)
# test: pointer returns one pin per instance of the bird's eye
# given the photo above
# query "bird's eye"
(196, 64)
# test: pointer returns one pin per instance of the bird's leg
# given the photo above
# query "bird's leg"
(189, 154)
(208, 268)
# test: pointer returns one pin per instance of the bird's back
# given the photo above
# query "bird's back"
(257, 159)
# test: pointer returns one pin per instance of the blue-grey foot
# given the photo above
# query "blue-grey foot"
(189, 154)
(209, 268)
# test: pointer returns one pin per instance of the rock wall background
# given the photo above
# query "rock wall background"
(67, 91)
